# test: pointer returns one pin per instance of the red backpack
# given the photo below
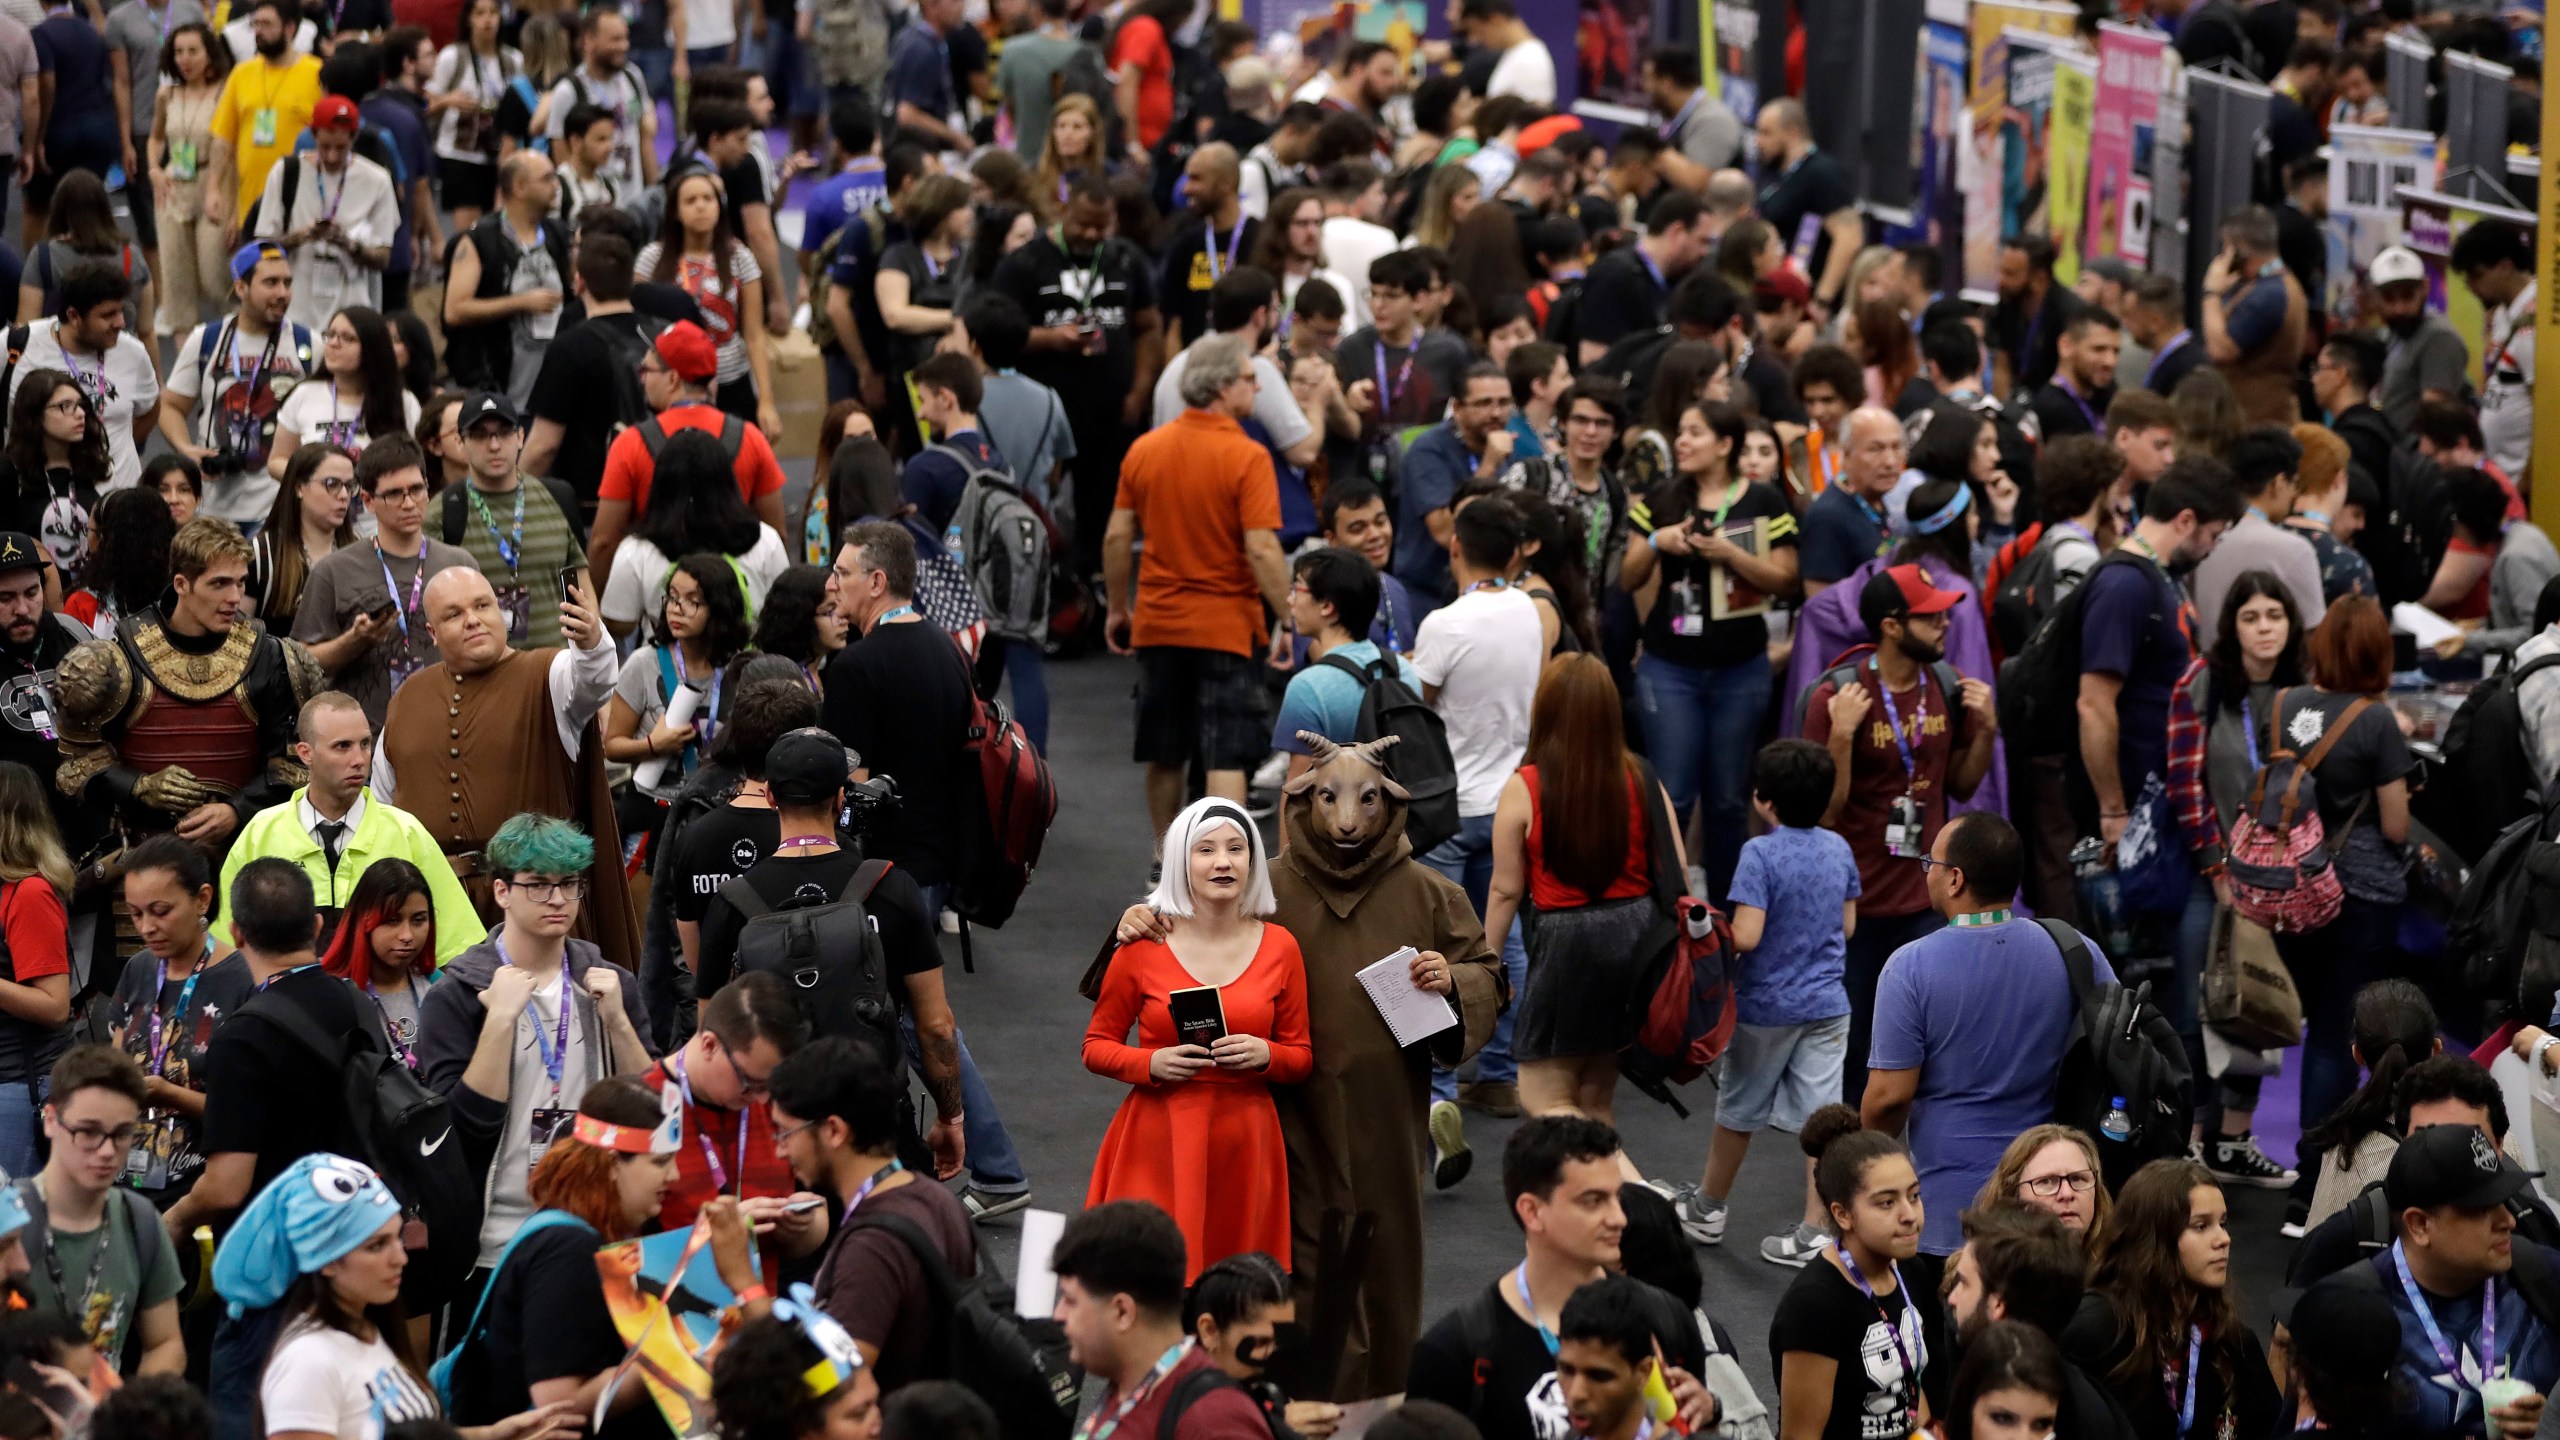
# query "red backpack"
(1018, 801)
(1995, 575)
(2280, 870)
(1687, 1017)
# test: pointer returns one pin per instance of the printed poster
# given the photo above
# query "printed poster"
(666, 1296)
(1981, 163)
(1937, 98)
(2025, 133)
(2124, 124)
(1732, 29)
(2075, 101)
(2367, 167)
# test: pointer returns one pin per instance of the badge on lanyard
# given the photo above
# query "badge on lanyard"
(262, 127)
(517, 602)
(1902, 827)
(1689, 612)
(182, 159)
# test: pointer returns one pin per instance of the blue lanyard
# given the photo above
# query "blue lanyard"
(1404, 374)
(2186, 1398)
(2249, 733)
(1872, 512)
(509, 550)
(159, 1041)
(2445, 1353)
(1913, 1355)
(897, 613)
(1097, 1428)
(1520, 1282)
(417, 583)
(296, 970)
(1672, 127)
(555, 1054)
(711, 1157)
(1650, 268)
(1893, 715)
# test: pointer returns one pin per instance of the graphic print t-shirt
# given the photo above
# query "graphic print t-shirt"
(1873, 1396)
(331, 1383)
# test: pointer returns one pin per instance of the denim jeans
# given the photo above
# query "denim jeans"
(1877, 938)
(1467, 858)
(2182, 1005)
(240, 1349)
(1023, 667)
(994, 1165)
(1699, 725)
(2329, 966)
(20, 1100)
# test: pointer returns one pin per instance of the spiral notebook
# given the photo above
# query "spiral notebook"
(1411, 1013)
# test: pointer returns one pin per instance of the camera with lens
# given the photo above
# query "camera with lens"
(866, 803)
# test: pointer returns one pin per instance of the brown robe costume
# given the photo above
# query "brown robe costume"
(1350, 1150)
(493, 739)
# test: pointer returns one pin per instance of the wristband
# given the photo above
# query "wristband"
(2542, 1051)
(954, 1120)
(2115, 814)
(751, 1295)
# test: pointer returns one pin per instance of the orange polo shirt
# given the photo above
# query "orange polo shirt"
(1197, 485)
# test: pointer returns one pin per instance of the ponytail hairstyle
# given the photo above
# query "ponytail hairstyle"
(1842, 1153)
(2134, 1263)
(2395, 1028)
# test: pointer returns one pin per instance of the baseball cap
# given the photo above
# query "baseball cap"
(1782, 286)
(19, 551)
(2454, 1165)
(245, 259)
(482, 405)
(1539, 134)
(334, 112)
(689, 352)
(1900, 591)
(805, 767)
(2397, 265)
(2345, 1332)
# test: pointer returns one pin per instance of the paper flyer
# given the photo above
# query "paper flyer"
(666, 1296)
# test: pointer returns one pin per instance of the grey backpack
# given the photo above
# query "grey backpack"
(1002, 540)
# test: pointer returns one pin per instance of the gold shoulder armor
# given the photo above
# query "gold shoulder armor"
(91, 685)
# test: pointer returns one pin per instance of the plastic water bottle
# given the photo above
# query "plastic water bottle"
(2118, 1126)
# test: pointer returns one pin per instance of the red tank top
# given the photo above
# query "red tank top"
(1550, 891)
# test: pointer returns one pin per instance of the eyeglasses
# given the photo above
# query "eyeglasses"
(90, 1137)
(781, 1135)
(403, 495)
(549, 890)
(1932, 862)
(748, 1082)
(69, 407)
(2047, 1187)
(336, 484)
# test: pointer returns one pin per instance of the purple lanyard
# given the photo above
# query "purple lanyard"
(555, 1056)
(1919, 722)
(93, 385)
(2249, 733)
(2168, 348)
(2097, 424)
(1671, 128)
(864, 1191)
(2445, 1353)
(1216, 269)
(1404, 375)
(711, 1157)
(1910, 1355)
(2185, 1398)
(159, 1040)
(391, 1032)
(417, 583)
(343, 433)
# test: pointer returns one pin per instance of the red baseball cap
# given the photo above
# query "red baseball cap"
(334, 112)
(689, 352)
(1540, 134)
(1783, 286)
(1903, 590)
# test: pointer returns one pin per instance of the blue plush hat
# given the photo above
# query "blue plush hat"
(318, 1211)
(13, 1208)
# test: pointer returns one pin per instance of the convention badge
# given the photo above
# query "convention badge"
(402, 667)
(146, 1165)
(182, 159)
(262, 127)
(1902, 827)
(548, 1123)
(517, 602)
(1689, 615)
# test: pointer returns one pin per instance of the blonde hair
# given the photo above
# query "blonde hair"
(2003, 1184)
(1046, 180)
(1172, 895)
(1434, 225)
(202, 541)
(29, 843)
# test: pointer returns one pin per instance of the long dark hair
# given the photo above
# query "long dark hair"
(386, 885)
(379, 366)
(724, 606)
(313, 1297)
(2134, 1263)
(724, 241)
(282, 537)
(1271, 242)
(694, 502)
(1684, 369)
(83, 217)
(2395, 1028)
(788, 624)
(2007, 1355)
(1558, 560)
(2230, 678)
(130, 566)
(1577, 739)
(1677, 495)
(25, 450)
(418, 377)
(986, 242)
(1951, 544)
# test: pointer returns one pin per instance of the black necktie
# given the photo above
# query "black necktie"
(333, 834)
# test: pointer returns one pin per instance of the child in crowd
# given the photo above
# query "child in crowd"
(1795, 904)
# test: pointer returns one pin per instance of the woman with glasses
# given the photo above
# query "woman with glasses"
(357, 396)
(2159, 1327)
(2055, 1169)
(35, 959)
(704, 622)
(53, 469)
(313, 516)
(172, 994)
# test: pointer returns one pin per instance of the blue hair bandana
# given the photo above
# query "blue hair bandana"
(317, 1212)
(838, 1360)
(1946, 516)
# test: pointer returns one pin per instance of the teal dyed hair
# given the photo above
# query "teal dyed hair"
(530, 844)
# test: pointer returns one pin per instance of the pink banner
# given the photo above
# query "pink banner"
(2118, 224)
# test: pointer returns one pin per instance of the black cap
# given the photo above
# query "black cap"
(806, 767)
(2454, 1165)
(482, 405)
(2346, 1332)
(19, 551)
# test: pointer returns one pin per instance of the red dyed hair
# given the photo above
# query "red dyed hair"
(384, 887)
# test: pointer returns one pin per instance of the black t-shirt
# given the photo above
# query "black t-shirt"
(2133, 626)
(1623, 295)
(547, 1320)
(899, 697)
(1111, 286)
(1813, 189)
(2059, 412)
(1876, 1342)
(1519, 1398)
(1183, 284)
(1772, 384)
(896, 907)
(1682, 628)
(931, 285)
(259, 1082)
(1414, 393)
(576, 390)
(715, 846)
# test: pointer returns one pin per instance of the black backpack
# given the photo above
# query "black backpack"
(831, 954)
(1846, 668)
(2039, 692)
(629, 345)
(2494, 915)
(2025, 595)
(1195, 1387)
(2122, 1051)
(1420, 760)
(406, 1135)
(2485, 781)
(1019, 1367)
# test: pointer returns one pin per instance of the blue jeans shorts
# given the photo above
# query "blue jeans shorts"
(1773, 1077)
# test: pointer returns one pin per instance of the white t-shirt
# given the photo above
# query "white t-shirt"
(242, 37)
(626, 95)
(637, 588)
(326, 278)
(708, 23)
(1525, 70)
(313, 413)
(2506, 390)
(244, 498)
(1482, 651)
(1351, 246)
(328, 1382)
(1273, 404)
(482, 77)
(123, 386)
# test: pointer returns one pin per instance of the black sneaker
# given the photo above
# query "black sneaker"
(2237, 1160)
(2297, 1219)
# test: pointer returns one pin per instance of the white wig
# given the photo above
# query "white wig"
(1172, 895)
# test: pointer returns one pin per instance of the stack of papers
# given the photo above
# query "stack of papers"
(1412, 1013)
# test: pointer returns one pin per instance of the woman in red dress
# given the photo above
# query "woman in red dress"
(1198, 1134)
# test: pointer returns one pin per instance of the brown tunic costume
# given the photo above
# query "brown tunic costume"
(469, 751)
(1355, 1129)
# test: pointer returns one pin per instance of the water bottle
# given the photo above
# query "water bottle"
(2118, 1126)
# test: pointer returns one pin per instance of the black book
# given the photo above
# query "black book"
(1199, 1016)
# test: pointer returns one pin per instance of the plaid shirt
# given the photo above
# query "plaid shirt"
(715, 1128)
(2189, 797)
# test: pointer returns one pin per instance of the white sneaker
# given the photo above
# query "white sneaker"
(1701, 1219)
(1450, 1157)
(1794, 1246)
(1270, 774)
(950, 921)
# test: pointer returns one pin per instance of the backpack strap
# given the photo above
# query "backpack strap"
(455, 521)
(742, 897)
(441, 1373)
(940, 1284)
(653, 438)
(865, 880)
(1188, 1391)
(1478, 1319)
(2372, 1218)
(1349, 667)
(733, 436)
(2075, 959)
(292, 188)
